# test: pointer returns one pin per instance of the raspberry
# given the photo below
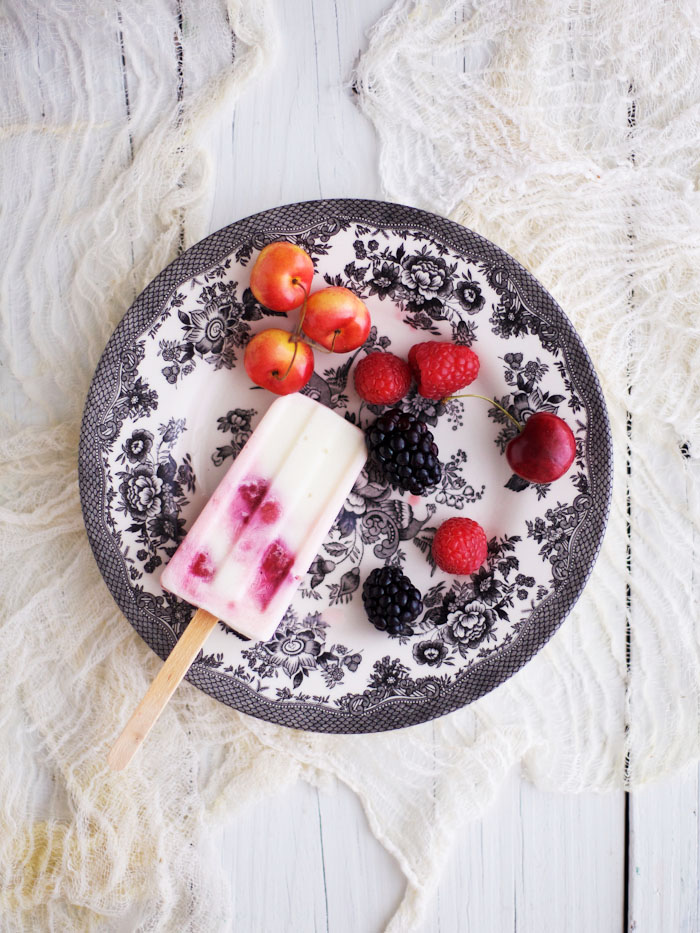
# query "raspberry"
(403, 448)
(391, 601)
(276, 563)
(459, 546)
(382, 378)
(202, 566)
(442, 368)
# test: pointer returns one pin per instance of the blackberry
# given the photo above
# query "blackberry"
(391, 601)
(403, 448)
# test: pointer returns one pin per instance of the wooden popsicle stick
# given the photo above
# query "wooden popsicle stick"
(153, 703)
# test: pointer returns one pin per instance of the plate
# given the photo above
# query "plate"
(170, 406)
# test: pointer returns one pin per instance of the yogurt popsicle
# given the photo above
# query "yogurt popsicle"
(255, 539)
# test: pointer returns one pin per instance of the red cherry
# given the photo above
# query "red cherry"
(337, 319)
(281, 277)
(275, 360)
(544, 450)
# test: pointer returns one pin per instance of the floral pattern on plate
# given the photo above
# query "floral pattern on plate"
(171, 407)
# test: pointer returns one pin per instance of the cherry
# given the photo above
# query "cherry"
(277, 360)
(336, 319)
(281, 277)
(544, 450)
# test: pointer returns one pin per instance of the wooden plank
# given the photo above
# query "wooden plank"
(664, 839)
(535, 863)
(363, 882)
(272, 855)
(307, 861)
(296, 134)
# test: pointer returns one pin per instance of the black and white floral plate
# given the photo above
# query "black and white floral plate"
(170, 405)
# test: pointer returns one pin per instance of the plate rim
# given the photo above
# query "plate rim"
(490, 672)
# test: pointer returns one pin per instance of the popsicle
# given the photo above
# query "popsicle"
(250, 547)
(262, 528)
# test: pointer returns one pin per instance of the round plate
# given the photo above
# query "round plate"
(170, 406)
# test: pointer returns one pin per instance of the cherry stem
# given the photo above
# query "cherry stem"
(317, 346)
(486, 399)
(335, 334)
(295, 339)
(296, 335)
(302, 314)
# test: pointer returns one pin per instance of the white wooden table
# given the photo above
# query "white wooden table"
(537, 862)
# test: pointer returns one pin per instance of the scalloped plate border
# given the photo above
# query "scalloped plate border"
(483, 677)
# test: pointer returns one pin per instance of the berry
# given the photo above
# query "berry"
(281, 276)
(202, 566)
(459, 546)
(337, 319)
(442, 368)
(275, 360)
(276, 563)
(391, 601)
(382, 378)
(544, 450)
(403, 448)
(253, 492)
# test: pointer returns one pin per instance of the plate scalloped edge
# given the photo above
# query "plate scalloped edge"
(485, 675)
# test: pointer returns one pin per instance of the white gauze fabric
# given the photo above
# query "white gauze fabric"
(102, 181)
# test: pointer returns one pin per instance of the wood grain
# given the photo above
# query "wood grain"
(329, 872)
(535, 863)
(664, 894)
(166, 682)
(297, 134)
